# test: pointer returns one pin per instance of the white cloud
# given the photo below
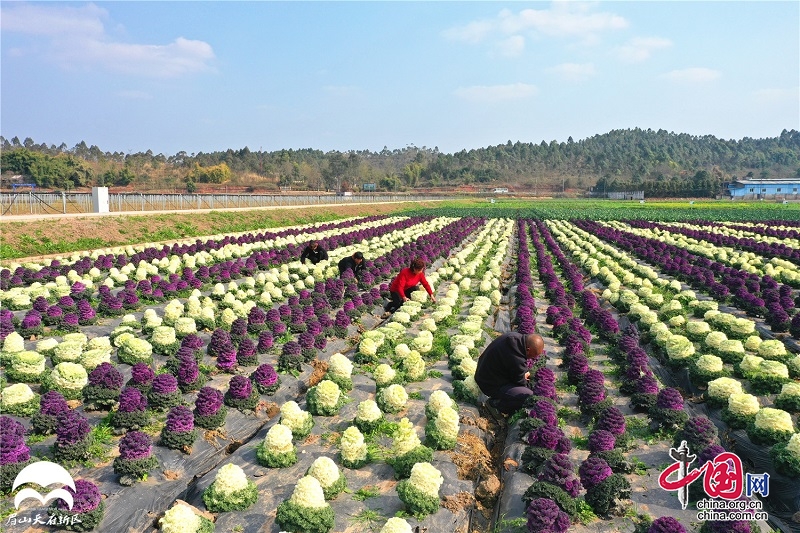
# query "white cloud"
(641, 48)
(511, 47)
(692, 75)
(562, 19)
(77, 38)
(776, 96)
(574, 71)
(496, 93)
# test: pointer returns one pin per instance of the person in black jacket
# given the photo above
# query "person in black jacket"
(502, 372)
(315, 252)
(355, 263)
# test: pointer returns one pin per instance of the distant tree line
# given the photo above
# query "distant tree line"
(659, 162)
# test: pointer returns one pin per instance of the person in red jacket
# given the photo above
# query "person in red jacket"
(406, 282)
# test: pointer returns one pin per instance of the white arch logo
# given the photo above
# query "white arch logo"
(43, 473)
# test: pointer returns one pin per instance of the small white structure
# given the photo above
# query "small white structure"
(100, 200)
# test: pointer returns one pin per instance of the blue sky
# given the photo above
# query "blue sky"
(205, 76)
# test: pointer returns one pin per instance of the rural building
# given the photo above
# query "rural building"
(626, 195)
(753, 189)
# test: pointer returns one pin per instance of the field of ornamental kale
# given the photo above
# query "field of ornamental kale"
(215, 383)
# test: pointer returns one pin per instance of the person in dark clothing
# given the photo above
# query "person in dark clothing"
(502, 372)
(355, 263)
(315, 252)
(404, 284)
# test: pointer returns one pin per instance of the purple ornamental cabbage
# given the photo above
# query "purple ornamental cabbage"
(709, 454)
(544, 411)
(192, 341)
(611, 420)
(165, 384)
(699, 432)
(666, 524)
(591, 393)
(737, 526)
(226, 358)
(52, 404)
(131, 400)
(265, 341)
(669, 398)
(135, 445)
(592, 471)
(106, 376)
(208, 402)
(265, 375)
(12, 442)
(142, 374)
(550, 437)
(557, 469)
(86, 497)
(544, 516)
(188, 371)
(73, 428)
(601, 440)
(240, 388)
(180, 420)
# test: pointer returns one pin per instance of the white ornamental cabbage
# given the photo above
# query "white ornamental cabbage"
(447, 423)
(401, 317)
(775, 369)
(790, 390)
(772, 349)
(138, 349)
(384, 375)
(414, 366)
(76, 337)
(405, 438)
(402, 350)
(47, 346)
(352, 445)
(752, 343)
(472, 386)
(714, 339)
(293, 416)
(399, 525)
(743, 404)
(429, 324)
(722, 388)
(69, 376)
(91, 359)
(679, 348)
(426, 478)
(185, 326)
(420, 296)
(17, 394)
(750, 364)
(439, 399)
(325, 471)
(68, 351)
(468, 366)
(423, 342)
(229, 479)
(279, 439)
(395, 397)
(99, 343)
(308, 493)
(459, 352)
(328, 393)
(368, 411)
(709, 364)
(793, 446)
(180, 519)
(163, 336)
(774, 420)
(341, 366)
(28, 362)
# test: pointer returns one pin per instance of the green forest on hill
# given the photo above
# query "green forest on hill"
(660, 163)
